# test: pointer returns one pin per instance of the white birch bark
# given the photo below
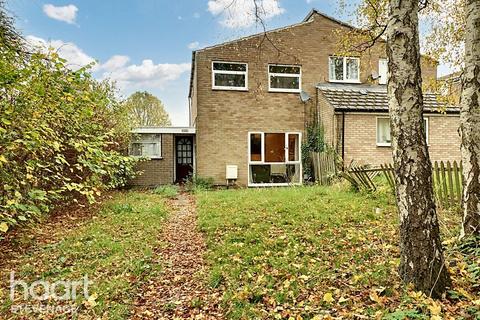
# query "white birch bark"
(470, 121)
(422, 261)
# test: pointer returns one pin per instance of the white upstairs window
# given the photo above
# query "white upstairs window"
(382, 71)
(344, 69)
(284, 78)
(229, 75)
(146, 145)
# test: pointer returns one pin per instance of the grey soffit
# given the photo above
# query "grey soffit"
(347, 97)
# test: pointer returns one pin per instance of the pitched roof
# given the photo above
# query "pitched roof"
(451, 77)
(371, 98)
(315, 11)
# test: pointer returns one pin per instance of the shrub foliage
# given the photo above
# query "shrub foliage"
(61, 132)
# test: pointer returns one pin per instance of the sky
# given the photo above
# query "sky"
(147, 44)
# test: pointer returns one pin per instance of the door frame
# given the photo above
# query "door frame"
(194, 153)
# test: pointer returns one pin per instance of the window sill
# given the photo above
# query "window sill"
(229, 89)
(345, 81)
(389, 145)
(148, 158)
(284, 91)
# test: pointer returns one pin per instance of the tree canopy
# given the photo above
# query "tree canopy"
(146, 110)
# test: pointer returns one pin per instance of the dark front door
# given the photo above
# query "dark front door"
(184, 157)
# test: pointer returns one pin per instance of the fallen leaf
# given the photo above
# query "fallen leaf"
(328, 297)
(435, 308)
(3, 227)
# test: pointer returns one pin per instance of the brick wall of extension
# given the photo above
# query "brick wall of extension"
(157, 171)
(361, 138)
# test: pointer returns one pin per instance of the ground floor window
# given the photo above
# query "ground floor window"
(384, 138)
(146, 145)
(274, 158)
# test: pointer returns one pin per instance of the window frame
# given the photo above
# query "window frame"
(245, 73)
(263, 162)
(330, 79)
(389, 144)
(147, 141)
(262, 145)
(275, 74)
(382, 144)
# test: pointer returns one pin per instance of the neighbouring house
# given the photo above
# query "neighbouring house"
(252, 99)
(356, 123)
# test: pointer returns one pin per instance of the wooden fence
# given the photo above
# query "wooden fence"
(447, 181)
(324, 166)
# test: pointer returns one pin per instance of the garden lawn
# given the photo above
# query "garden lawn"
(114, 248)
(318, 252)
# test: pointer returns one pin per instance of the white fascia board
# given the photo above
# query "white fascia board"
(179, 130)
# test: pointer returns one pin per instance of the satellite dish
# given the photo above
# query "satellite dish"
(304, 96)
(375, 75)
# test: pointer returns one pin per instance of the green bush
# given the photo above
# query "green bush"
(168, 191)
(62, 134)
(196, 183)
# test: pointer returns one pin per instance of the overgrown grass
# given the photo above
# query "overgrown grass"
(197, 184)
(311, 252)
(169, 191)
(114, 249)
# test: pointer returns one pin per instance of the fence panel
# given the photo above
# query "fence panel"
(447, 182)
(324, 166)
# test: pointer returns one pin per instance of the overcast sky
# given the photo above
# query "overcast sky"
(147, 44)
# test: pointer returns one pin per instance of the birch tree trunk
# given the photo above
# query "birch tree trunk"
(470, 121)
(422, 261)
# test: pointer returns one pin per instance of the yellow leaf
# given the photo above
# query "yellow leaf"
(435, 317)
(2, 158)
(328, 297)
(90, 302)
(3, 227)
(375, 298)
(357, 278)
(342, 299)
(465, 294)
(435, 308)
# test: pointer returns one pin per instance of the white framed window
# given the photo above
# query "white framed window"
(284, 78)
(229, 75)
(384, 136)
(274, 158)
(146, 145)
(344, 69)
(382, 71)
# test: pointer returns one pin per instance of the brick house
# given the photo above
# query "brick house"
(252, 99)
